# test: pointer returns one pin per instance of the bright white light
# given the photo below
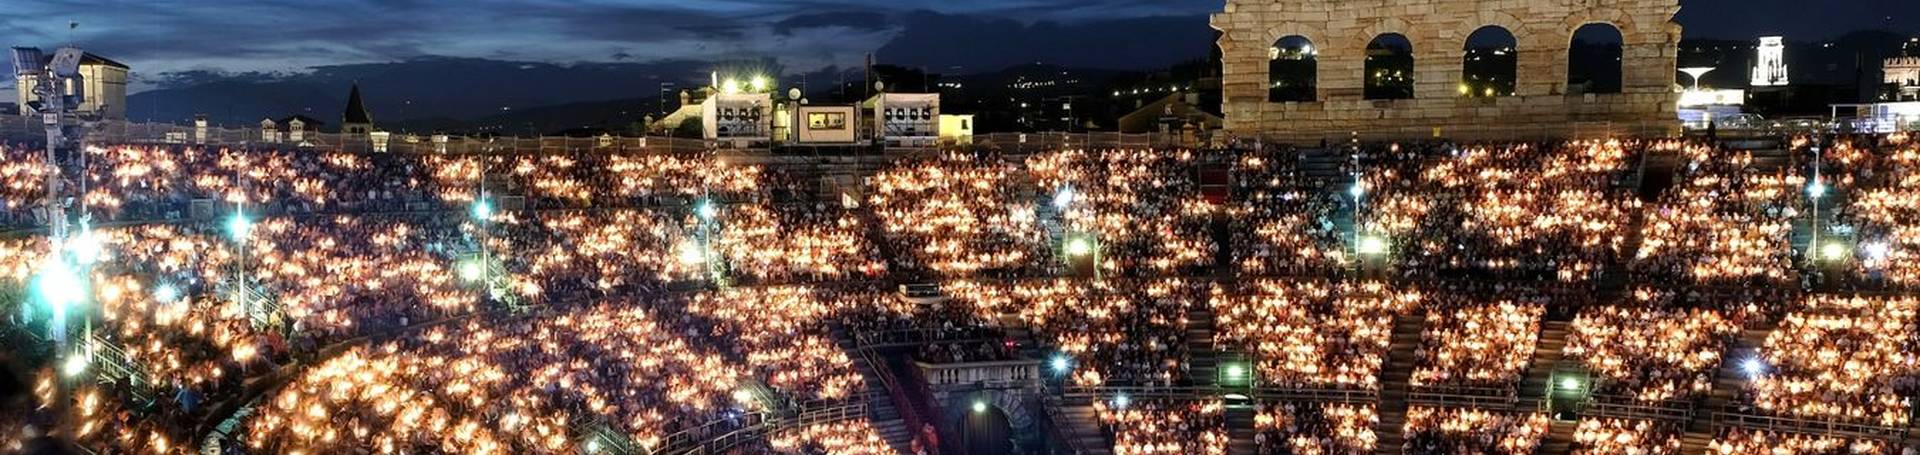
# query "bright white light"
(1121, 401)
(1570, 384)
(1236, 371)
(690, 254)
(166, 293)
(239, 226)
(1817, 189)
(1060, 363)
(75, 364)
(1063, 198)
(1834, 251)
(742, 396)
(58, 286)
(759, 83)
(1753, 367)
(1373, 245)
(707, 211)
(593, 446)
(482, 210)
(1876, 251)
(1357, 190)
(979, 407)
(470, 271)
(1079, 246)
(730, 87)
(85, 247)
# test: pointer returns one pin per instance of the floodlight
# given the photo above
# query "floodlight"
(75, 364)
(238, 226)
(166, 293)
(730, 87)
(1833, 251)
(1373, 245)
(1570, 384)
(1079, 246)
(1754, 367)
(979, 407)
(758, 83)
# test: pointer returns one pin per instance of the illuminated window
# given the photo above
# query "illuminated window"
(827, 120)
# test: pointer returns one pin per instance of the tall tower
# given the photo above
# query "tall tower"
(356, 120)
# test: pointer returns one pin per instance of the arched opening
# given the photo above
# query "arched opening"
(986, 430)
(1389, 69)
(1490, 65)
(1593, 60)
(1292, 69)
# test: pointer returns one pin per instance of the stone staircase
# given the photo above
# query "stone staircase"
(881, 411)
(1204, 362)
(1076, 418)
(1546, 358)
(1394, 377)
(1559, 440)
(1240, 430)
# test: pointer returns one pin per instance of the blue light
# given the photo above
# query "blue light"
(239, 227)
(1060, 363)
(482, 210)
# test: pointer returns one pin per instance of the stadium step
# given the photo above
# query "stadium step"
(1559, 439)
(1394, 378)
(1240, 431)
(881, 411)
(1080, 422)
(1728, 382)
(1547, 355)
(1204, 360)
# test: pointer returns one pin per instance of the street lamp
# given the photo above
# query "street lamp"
(239, 226)
(482, 209)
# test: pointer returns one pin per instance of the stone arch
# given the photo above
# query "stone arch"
(1389, 67)
(1596, 58)
(1489, 63)
(1293, 69)
(1019, 415)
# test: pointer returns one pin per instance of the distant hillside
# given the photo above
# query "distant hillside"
(426, 88)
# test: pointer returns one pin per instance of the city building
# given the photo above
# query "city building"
(105, 87)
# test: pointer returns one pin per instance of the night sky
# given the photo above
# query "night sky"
(158, 37)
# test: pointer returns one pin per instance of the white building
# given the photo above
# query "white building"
(743, 119)
(1903, 75)
(105, 84)
(905, 119)
(1770, 68)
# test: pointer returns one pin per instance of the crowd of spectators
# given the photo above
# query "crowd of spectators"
(1143, 207)
(1118, 333)
(1147, 427)
(1457, 431)
(1477, 345)
(1280, 225)
(1543, 212)
(1607, 436)
(958, 216)
(1650, 354)
(1740, 441)
(1326, 429)
(1312, 334)
(1842, 358)
(1726, 223)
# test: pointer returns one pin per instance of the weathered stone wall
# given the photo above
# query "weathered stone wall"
(1543, 29)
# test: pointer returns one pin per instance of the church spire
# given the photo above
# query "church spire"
(356, 119)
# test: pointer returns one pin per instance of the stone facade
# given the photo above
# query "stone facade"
(1903, 74)
(1540, 108)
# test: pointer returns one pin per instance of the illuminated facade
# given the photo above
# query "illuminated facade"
(1770, 66)
(1902, 78)
(1344, 40)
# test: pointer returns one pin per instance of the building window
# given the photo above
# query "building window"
(1292, 69)
(1389, 69)
(1489, 67)
(827, 120)
(1593, 61)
